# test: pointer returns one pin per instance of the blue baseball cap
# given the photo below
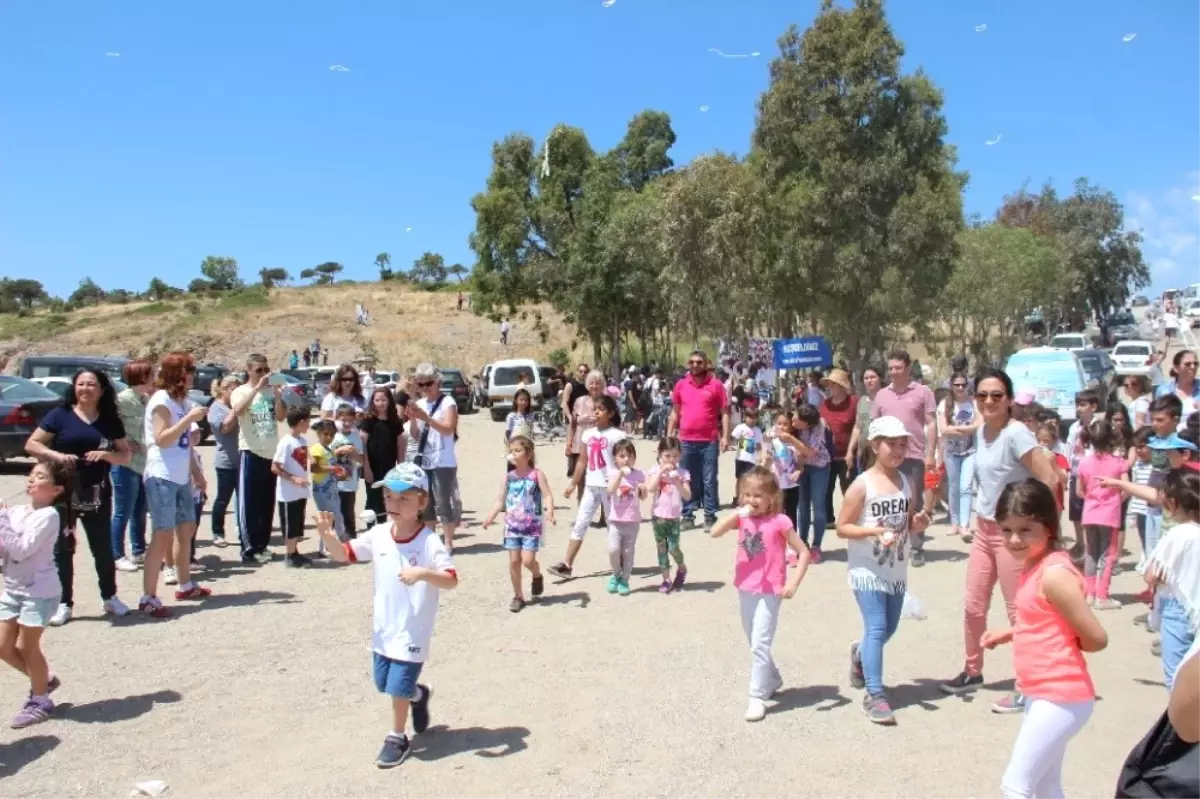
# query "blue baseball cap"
(404, 477)
(1173, 441)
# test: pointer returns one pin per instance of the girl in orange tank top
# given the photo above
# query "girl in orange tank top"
(1054, 627)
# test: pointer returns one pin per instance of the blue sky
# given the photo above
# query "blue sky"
(220, 130)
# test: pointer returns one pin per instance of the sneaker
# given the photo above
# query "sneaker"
(560, 570)
(1107, 603)
(709, 524)
(687, 523)
(916, 559)
(297, 561)
(250, 560)
(169, 576)
(878, 710)
(857, 678)
(394, 752)
(124, 564)
(968, 537)
(153, 607)
(537, 586)
(61, 616)
(195, 592)
(613, 583)
(420, 710)
(756, 710)
(36, 710)
(665, 587)
(516, 605)
(115, 606)
(1156, 647)
(622, 588)
(139, 558)
(1009, 703)
(814, 556)
(962, 684)
(680, 577)
(219, 542)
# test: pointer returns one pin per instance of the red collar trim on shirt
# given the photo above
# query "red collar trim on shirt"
(1193, 465)
(406, 540)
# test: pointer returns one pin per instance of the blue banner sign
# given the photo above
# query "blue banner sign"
(802, 353)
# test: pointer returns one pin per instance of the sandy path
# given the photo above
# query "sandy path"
(265, 690)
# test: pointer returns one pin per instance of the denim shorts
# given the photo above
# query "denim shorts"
(170, 504)
(396, 678)
(29, 611)
(522, 542)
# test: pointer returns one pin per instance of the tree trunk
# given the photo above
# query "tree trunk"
(615, 338)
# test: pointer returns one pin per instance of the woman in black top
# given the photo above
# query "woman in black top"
(383, 439)
(87, 433)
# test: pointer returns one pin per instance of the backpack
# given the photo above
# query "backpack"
(1162, 764)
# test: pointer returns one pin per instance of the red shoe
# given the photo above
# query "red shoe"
(154, 608)
(1146, 596)
(195, 592)
(814, 556)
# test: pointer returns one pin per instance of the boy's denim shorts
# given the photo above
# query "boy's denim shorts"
(396, 678)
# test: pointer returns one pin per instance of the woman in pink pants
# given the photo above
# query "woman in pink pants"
(1005, 452)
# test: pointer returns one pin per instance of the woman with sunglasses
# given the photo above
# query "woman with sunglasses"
(436, 428)
(1136, 399)
(1183, 383)
(1005, 452)
(344, 388)
(957, 423)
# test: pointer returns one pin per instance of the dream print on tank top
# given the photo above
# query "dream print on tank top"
(892, 512)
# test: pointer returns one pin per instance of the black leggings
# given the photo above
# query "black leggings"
(97, 526)
(791, 503)
(346, 500)
(839, 472)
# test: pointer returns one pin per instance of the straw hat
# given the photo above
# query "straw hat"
(839, 377)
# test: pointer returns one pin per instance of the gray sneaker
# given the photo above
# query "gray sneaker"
(878, 709)
(916, 559)
(1009, 703)
(857, 678)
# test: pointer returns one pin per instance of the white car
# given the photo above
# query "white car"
(60, 385)
(1192, 313)
(1071, 341)
(1136, 358)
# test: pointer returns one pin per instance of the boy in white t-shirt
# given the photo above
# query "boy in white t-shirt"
(290, 466)
(749, 438)
(412, 567)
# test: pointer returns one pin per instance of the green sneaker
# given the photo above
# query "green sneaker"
(613, 583)
(622, 588)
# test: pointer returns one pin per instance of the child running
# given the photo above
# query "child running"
(290, 466)
(523, 495)
(1053, 628)
(626, 488)
(670, 487)
(749, 440)
(411, 568)
(761, 576)
(877, 517)
(1101, 517)
(592, 470)
(32, 589)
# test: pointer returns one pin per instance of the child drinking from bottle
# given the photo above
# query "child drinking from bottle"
(626, 487)
(670, 487)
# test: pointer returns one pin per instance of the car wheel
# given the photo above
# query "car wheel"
(497, 416)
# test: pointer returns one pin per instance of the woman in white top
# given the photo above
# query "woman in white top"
(957, 422)
(344, 387)
(1136, 399)
(170, 473)
(436, 426)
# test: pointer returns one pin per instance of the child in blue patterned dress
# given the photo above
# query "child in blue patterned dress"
(523, 495)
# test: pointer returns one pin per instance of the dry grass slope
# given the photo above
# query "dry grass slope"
(406, 327)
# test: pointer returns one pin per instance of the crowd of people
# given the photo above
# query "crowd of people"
(895, 451)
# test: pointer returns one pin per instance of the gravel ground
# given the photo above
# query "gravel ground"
(265, 689)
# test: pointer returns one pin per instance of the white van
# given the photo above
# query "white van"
(504, 380)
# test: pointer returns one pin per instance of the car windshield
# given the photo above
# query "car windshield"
(16, 388)
(1132, 349)
(453, 377)
(511, 375)
(1072, 340)
(1121, 319)
(1092, 364)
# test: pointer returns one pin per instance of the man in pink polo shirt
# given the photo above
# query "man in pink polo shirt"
(700, 417)
(913, 404)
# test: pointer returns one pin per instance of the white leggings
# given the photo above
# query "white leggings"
(593, 497)
(622, 538)
(1035, 768)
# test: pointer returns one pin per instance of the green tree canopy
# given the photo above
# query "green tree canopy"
(272, 276)
(328, 271)
(21, 293)
(158, 289)
(87, 293)
(221, 272)
(428, 270)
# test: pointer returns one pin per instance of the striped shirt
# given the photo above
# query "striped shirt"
(1139, 475)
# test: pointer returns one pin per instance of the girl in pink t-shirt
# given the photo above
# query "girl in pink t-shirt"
(1053, 627)
(1101, 512)
(626, 487)
(670, 486)
(760, 576)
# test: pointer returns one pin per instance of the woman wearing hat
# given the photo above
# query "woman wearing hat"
(839, 412)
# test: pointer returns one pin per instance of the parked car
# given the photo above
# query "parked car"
(203, 399)
(1136, 357)
(387, 380)
(1140, 301)
(1071, 341)
(504, 380)
(1097, 366)
(1053, 375)
(67, 365)
(481, 386)
(23, 403)
(206, 375)
(455, 385)
(1119, 327)
(59, 385)
(1191, 313)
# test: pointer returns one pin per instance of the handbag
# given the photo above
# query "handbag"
(1162, 764)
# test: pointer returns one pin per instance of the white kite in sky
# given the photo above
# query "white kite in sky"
(1129, 37)
(339, 68)
(408, 230)
(981, 28)
(996, 140)
(1196, 197)
(113, 55)
(607, 3)
(755, 54)
(703, 108)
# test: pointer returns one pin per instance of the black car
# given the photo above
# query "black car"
(206, 375)
(1097, 366)
(456, 386)
(23, 403)
(68, 365)
(1121, 326)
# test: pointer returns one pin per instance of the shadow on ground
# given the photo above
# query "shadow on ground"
(803, 696)
(107, 711)
(442, 741)
(244, 599)
(582, 597)
(19, 754)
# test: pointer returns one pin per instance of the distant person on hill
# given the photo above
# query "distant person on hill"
(460, 300)
(504, 328)
(307, 358)
(294, 360)
(325, 358)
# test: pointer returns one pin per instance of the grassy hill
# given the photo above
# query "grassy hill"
(407, 326)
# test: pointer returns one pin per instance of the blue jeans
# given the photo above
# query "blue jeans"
(960, 484)
(1177, 638)
(700, 459)
(129, 508)
(226, 485)
(814, 482)
(881, 615)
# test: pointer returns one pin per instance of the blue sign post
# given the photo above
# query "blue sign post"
(803, 353)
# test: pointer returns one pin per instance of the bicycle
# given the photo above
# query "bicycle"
(549, 422)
